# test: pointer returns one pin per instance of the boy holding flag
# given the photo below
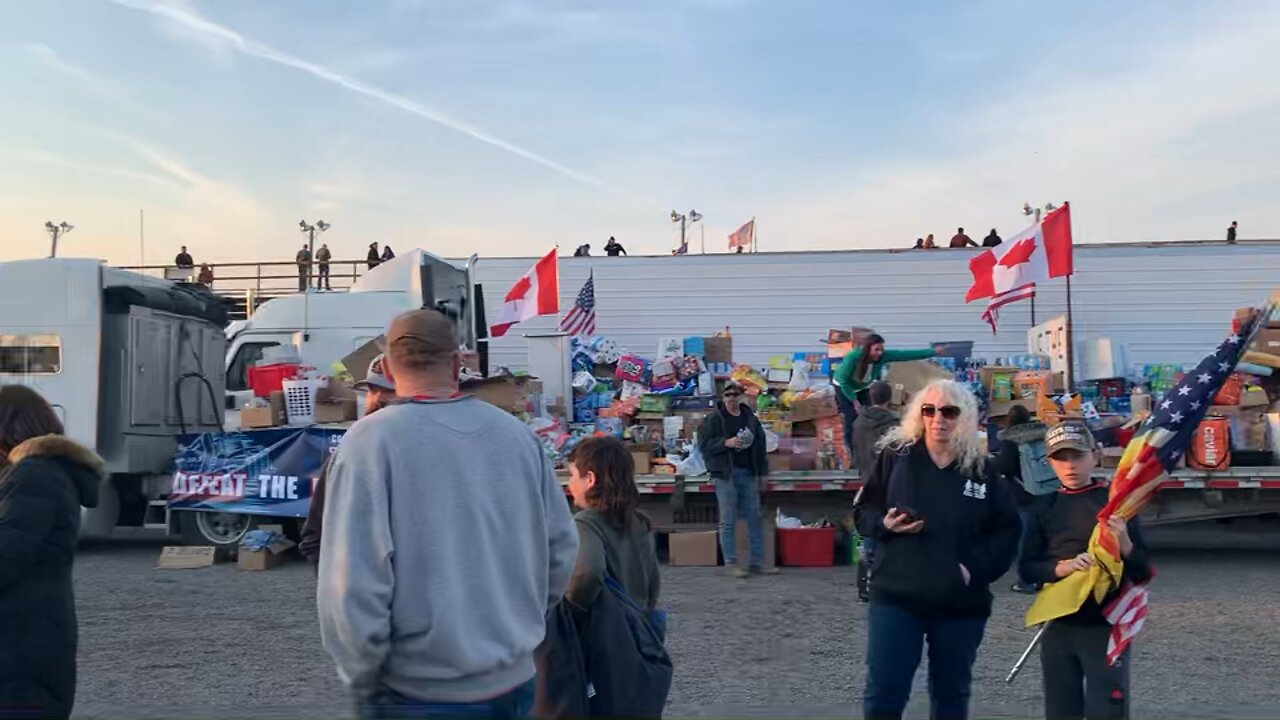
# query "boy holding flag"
(1079, 681)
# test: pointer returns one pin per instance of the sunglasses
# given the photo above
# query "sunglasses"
(950, 412)
(733, 395)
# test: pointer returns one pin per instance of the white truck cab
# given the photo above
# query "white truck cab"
(327, 326)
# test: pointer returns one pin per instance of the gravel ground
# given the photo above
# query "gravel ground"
(217, 642)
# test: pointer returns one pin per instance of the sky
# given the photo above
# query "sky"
(506, 127)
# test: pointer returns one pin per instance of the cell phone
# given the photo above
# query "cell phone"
(912, 515)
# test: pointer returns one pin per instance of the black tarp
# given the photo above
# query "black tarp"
(180, 299)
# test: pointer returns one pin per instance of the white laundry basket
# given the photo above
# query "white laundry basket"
(300, 400)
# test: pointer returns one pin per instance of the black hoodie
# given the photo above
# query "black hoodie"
(47, 481)
(872, 423)
(969, 519)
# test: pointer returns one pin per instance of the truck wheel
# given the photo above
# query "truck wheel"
(221, 530)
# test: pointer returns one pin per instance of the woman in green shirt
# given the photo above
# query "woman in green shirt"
(865, 364)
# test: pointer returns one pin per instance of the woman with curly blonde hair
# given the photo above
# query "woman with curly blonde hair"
(946, 527)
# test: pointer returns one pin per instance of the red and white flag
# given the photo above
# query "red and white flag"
(992, 313)
(1034, 255)
(537, 293)
(1127, 614)
(743, 236)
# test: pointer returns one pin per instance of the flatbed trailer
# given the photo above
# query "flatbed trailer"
(240, 478)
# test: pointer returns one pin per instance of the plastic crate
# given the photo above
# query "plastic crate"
(807, 547)
(266, 379)
(300, 400)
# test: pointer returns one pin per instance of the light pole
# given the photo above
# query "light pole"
(310, 230)
(57, 231)
(685, 220)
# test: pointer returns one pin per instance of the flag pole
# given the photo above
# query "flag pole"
(755, 233)
(1071, 342)
(1033, 309)
(1026, 654)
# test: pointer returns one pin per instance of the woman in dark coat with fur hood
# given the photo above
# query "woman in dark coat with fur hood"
(45, 479)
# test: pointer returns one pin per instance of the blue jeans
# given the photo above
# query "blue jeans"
(388, 704)
(739, 496)
(895, 643)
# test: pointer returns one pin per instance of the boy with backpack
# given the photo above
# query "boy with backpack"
(1023, 461)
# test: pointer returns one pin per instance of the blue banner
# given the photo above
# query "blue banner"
(261, 472)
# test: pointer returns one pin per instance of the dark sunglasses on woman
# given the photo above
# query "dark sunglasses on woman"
(950, 412)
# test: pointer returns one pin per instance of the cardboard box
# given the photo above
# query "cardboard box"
(1266, 341)
(509, 393)
(1111, 457)
(643, 457)
(338, 411)
(779, 462)
(742, 544)
(266, 558)
(694, 549)
(1254, 397)
(814, 406)
(718, 349)
(357, 362)
(257, 417)
(278, 410)
(915, 375)
(186, 558)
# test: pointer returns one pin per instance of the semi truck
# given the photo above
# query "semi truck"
(132, 363)
(128, 362)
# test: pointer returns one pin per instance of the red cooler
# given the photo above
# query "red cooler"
(806, 547)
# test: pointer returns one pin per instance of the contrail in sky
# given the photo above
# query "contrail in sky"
(196, 23)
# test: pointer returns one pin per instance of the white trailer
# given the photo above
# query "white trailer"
(128, 362)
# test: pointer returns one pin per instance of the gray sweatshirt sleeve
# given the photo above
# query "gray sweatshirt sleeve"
(562, 535)
(356, 581)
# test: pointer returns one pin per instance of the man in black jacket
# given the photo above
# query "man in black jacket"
(1078, 681)
(733, 445)
(379, 392)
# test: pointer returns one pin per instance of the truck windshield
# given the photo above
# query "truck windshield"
(30, 354)
(238, 371)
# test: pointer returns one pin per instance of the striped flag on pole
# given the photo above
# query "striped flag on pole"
(1127, 614)
(581, 319)
(992, 313)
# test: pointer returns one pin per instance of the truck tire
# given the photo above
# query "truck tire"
(220, 530)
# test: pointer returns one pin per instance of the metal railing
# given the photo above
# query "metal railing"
(248, 285)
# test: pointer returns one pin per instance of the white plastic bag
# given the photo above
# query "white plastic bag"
(786, 522)
(770, 441)
(694, 465)
(799, 376)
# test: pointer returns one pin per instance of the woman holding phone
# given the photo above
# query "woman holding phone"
(946, 527)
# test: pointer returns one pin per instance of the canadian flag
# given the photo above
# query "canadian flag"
(1034, 255)
(537, 293)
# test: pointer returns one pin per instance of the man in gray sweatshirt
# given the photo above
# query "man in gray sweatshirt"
(446, 539)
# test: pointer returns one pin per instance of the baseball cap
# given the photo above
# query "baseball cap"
(430, 328)
(376, 378)
(1069, 435)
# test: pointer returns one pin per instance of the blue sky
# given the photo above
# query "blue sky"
(505, 127)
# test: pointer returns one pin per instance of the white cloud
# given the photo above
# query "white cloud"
(1155, 152)
(220, 36)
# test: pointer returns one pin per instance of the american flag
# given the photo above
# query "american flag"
(1153, 453)
(581, 319)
